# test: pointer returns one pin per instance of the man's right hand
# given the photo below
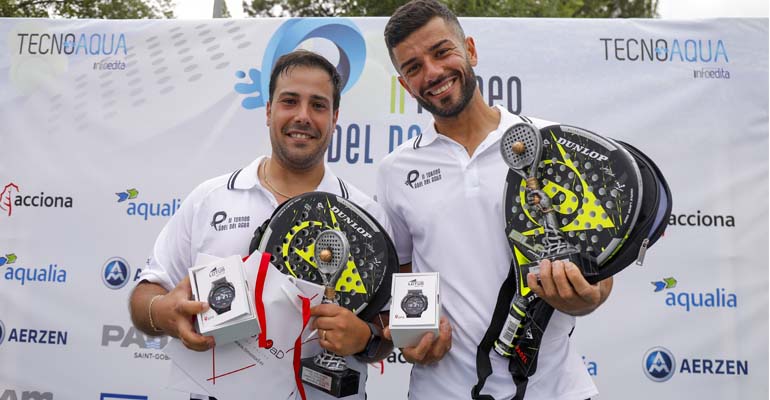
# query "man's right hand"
(173, 313)
(430, 349)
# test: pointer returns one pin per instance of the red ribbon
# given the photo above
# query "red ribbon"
(264, 264)
(260, 306)
(298, 345)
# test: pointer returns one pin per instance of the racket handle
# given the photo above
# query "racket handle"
(506, 342)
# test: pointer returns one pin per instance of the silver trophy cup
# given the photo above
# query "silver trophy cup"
(328, 371)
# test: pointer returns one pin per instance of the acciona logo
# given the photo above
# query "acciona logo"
(702, 219)
(11, 198)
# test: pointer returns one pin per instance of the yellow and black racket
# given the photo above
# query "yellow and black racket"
(289, 236)
(592, 189)
(570, 194)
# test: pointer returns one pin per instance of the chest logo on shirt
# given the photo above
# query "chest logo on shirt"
(416, 180)
(221, 222)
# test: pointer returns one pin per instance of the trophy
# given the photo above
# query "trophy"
(328, 371)
(522, 148)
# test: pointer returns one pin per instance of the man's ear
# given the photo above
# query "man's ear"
(404, 85)
(470, 49)
(267, 113)
(334, 117)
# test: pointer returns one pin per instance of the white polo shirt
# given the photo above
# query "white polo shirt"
(219, 218)
(446, 211)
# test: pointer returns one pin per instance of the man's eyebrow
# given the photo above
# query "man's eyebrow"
(318, 97)
(431, 48)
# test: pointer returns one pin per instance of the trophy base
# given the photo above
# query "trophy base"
(335, 383)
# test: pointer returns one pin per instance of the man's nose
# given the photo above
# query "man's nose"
(303, 113)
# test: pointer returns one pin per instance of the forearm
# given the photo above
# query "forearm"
(139, 306)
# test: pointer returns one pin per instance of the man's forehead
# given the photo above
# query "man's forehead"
(431, 34)
(303, 76)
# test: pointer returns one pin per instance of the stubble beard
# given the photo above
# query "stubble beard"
(466, 94)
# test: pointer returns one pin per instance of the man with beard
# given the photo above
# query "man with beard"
(301, 115)
(454, 224)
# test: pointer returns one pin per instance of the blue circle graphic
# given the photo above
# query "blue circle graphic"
(115, 273)
(659, 364)
(341, 32)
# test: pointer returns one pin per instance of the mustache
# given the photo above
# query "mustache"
(434, 82)
(304, 128)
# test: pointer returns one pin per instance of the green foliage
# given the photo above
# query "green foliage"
(101, 9)
(464, 8)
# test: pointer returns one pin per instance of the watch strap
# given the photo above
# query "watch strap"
(373, 344)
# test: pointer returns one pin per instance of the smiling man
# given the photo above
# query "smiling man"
(302, 115)
(454, 224)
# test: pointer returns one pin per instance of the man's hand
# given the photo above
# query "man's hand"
(339, 330)
(563, 286)
(173, 313)
(430, 349)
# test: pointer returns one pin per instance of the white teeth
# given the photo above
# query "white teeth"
(299, 136)
(443, 88)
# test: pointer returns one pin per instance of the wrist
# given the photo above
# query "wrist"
(373, 339)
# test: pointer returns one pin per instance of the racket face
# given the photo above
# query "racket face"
(336, 243)
(595, 188)
(528, 136)
(290, 238)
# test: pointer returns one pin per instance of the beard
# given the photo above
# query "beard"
(305, 157)
(447, 109)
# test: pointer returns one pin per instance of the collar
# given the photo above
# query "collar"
(246, 178)
(430, 134)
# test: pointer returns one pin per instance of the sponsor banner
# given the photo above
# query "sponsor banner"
(106, 126)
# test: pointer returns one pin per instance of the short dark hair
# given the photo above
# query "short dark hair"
(305, 58)
(413, 16)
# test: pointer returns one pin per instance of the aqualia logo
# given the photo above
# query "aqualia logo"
(341, 32)
(146, 210)
(116, 273)
(659, 364)
(51, 274)
(718, 298)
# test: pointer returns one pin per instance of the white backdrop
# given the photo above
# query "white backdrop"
(105, 126)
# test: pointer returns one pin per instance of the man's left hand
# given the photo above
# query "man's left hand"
(339, 330)
(563, 286)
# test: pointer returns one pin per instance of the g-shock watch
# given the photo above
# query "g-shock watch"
(221, 295)
(414, 303)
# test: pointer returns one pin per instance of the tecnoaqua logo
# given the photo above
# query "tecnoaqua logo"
(341, 32)
(659, 364)
(116, 273)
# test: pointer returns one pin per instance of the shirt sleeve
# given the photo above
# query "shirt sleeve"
(172, 254)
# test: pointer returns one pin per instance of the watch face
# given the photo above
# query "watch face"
(414, 304)
(222, 297)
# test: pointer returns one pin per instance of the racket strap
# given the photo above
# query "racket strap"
(523, 364)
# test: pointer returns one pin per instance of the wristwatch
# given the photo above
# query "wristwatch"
(414, 303)
(373, 345)
(221, 295)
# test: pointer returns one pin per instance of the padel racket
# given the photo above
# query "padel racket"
(594, 188)
(290, 235)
